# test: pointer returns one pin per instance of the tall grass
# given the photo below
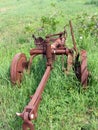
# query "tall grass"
(65, 105)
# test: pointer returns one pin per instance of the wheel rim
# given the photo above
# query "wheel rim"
(84, 71)
(17, 68)
(80, 68)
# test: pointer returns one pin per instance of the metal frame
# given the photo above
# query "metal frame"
(50, 51)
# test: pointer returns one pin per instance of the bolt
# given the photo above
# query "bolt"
(32, 116)
(18, 114)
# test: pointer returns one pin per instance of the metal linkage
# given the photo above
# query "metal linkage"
(50, 47)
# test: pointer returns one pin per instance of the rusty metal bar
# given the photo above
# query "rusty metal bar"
(73, 38)
(52, 35)
(30, 63)
(37, 51)
(40, 86)
(84, 71)
(53, 51)
(30, 111)
(48, 53)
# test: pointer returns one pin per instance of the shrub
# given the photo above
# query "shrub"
(87, 25)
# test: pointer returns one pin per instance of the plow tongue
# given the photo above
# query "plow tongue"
(28, 126)
(27, 123)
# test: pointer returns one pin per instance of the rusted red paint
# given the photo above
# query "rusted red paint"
(27, 124)
(17, 67)
(50, 47)
(32, 107)
(84, 71)
(58, 51)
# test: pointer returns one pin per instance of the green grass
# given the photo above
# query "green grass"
(65, 105)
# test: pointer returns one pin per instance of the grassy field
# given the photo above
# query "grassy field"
(65, 105)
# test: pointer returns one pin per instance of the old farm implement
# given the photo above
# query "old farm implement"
(50, 47)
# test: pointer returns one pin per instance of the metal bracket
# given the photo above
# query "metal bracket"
(28, 125)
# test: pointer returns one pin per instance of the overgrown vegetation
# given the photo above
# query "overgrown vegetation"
(65, 105)
(47, 25)
(88, 25)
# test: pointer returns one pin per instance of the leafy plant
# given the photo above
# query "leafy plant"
(87, 25)
(49, 24)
